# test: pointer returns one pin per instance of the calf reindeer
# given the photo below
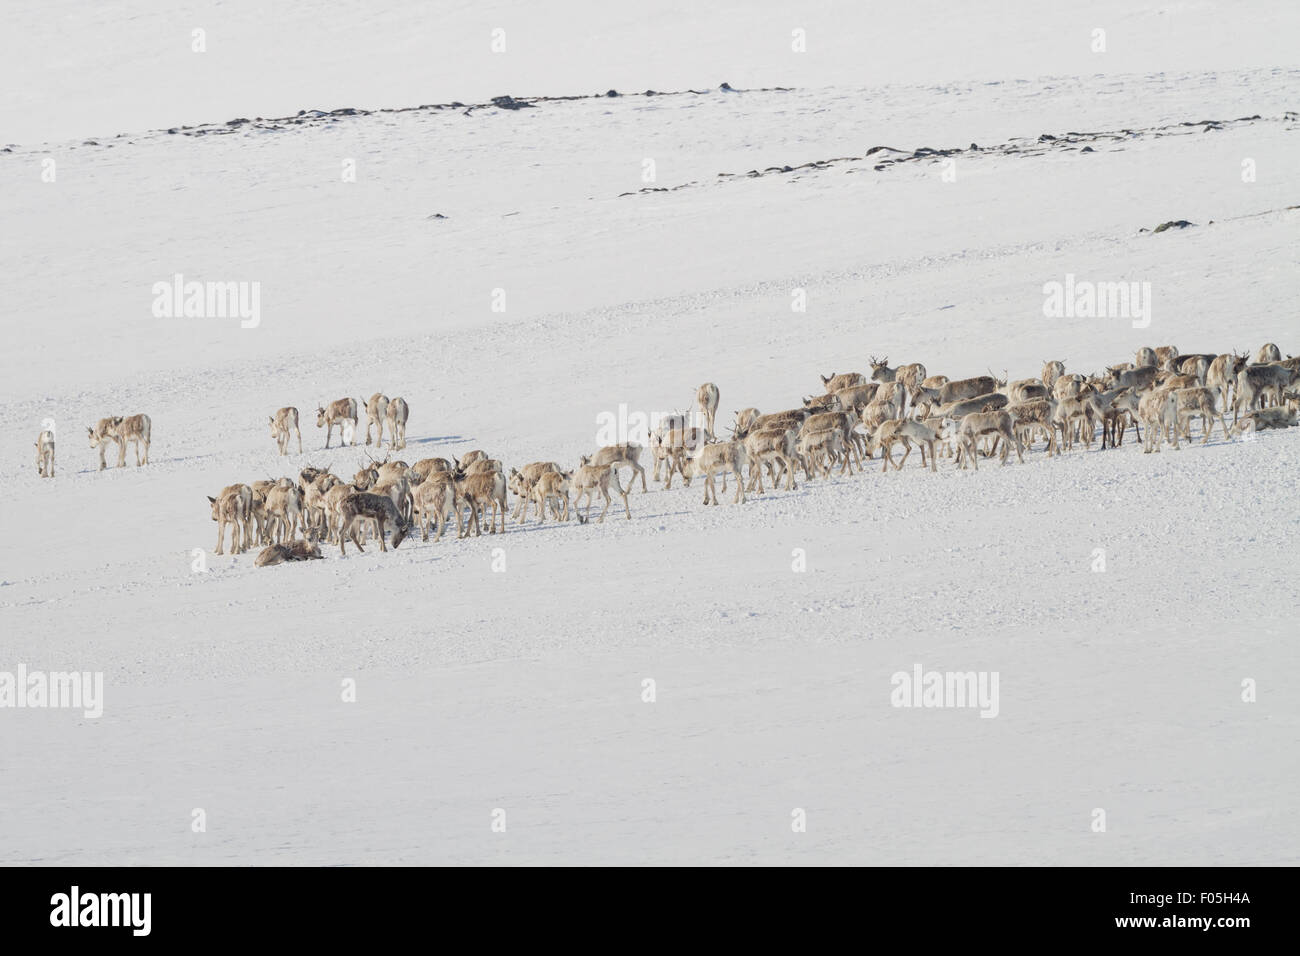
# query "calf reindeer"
(232, 506)
(136, 429)
(725, 458)
(339, 412)
(398, 412)
(521, 482)
(45, 454)
(375, 510)
(706, 396)
(283, 553)
(282, 422)
(586, 480)
(376, 412)
(551, 488)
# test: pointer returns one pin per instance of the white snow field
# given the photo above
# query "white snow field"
(1127, 603)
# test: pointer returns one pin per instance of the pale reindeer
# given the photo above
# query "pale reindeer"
(1052, 370)
(339, 413)
(551, 488)
(903, 431)
(376, 412)
(481, 491)
(398, 412)
(629, 454)
(586, 480)
(1158, 410)
(231, 507)
(283, 512)
(45, 454)
(282, 422)
(980, 424)
(835, 382)
(1193, 401)
(436, 501)
(706, 396)
(724, 457)
(821, 449)
(136, 428)
(1268, 353)
(1145, 358)
(521, 482)
(771, 448)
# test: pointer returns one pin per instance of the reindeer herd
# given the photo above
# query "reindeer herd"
(856, 417)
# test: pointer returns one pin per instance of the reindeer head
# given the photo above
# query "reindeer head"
(320, 417)
(826, 380)
(94, 439)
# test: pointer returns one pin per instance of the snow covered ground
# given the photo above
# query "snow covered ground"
(508, 673)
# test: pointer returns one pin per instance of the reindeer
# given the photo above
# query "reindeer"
(551, 487)
(725, 457)
(340, 412)
(1145, 357)
(1268, 353)
(1052, 370)
(135, 428)
(1193, 401)
(906, 431)
(823, 403)
(772, 448)
(436, 501)
(1223, 374)
(835, 382)
(1158, 410)
(977, 424)
(1142, 377)
(671, 450)
(521, 482)
(586, 480)
(845, 422)
(396, 414)
(812, 446)
(1266, 418)
(706, 396)
(377, 511)
(282, 422)
(968, 388)
(480, 491)
(1082, 413)
(1034, 416)
(908, 377)
(313, 491)
(376, 412)
(45, 454)
(282, 553)
(1256, 384)
(284, 511)
(856, 396)
(628, 453)
(1165, 356)
(231, 507)
(426, 467)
